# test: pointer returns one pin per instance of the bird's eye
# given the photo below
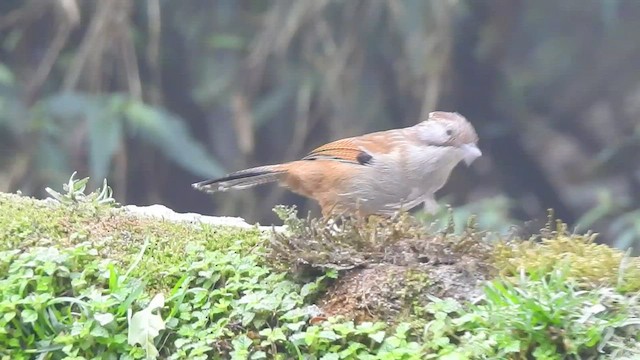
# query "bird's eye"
(449, 132)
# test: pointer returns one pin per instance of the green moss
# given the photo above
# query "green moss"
(591, 264)
(417, 284)
(27, 223)
(24, 222)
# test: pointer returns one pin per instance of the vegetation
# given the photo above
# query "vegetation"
(80, 279)
(157, 94)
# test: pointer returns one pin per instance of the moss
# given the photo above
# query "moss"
(26, 222)
(417, 285)
(589, 263)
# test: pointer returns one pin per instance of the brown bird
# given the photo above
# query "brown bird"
(377, 173)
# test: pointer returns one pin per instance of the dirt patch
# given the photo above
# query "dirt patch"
(388, 291)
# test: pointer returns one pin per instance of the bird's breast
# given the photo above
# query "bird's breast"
(429, 167)
(405, 179)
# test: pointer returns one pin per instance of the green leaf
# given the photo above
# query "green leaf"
(510, 346)
(241, 345)
(104, 318)
(333, 356)
(9, 316)
(296, 326)
(454, 356)
(171, 136)
(308, 289)
(378, 336)
(71, 107)
(29, 316)
(6, 75)
(99, 331)
(105, 115)
(248, 317)
(277, 334)
(180, 342)
(259, 355)
(328, 335)
(105, 135)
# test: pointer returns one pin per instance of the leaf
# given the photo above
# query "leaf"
(29, 316)
(13, 111)
(104, 318)
(328, 335)
(8, 316)
(308, 289)
(277, 334)
(378, 336)
(241, 345)
(68, 108)
(144, 326)
(511, 346)
(332, 356)
(6, 75)
(454, 356)
(99, 331)
(105, 135)
(247, 318)
(180, 342)
(170, 135)
(259, 355)
(103, 113)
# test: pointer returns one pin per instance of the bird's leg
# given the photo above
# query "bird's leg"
(431, 205)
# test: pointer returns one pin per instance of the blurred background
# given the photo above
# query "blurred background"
(156, 94)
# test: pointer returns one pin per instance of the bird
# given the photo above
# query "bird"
(378, 173)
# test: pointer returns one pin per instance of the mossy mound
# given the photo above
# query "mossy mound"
(390, 265)
(394, 265)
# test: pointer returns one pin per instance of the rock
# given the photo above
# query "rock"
(163, 212)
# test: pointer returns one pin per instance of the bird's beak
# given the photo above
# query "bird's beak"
(470, 153)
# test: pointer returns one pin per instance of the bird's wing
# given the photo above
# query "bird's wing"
(358, 150)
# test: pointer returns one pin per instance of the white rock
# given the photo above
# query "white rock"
(163, 212)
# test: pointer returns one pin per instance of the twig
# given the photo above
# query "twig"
(52, 54)
(153, 50)
(92, 44)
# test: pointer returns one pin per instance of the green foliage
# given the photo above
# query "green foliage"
(106, 123)
(546, 317)
(73, 303)
(75, 194)
(75, 217)
(110, 119)
(623, 218)
(63, 303)
(76, 283)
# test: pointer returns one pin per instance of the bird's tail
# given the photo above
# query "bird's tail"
(242, 179)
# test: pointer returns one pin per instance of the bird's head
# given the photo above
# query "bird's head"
(451, 130)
